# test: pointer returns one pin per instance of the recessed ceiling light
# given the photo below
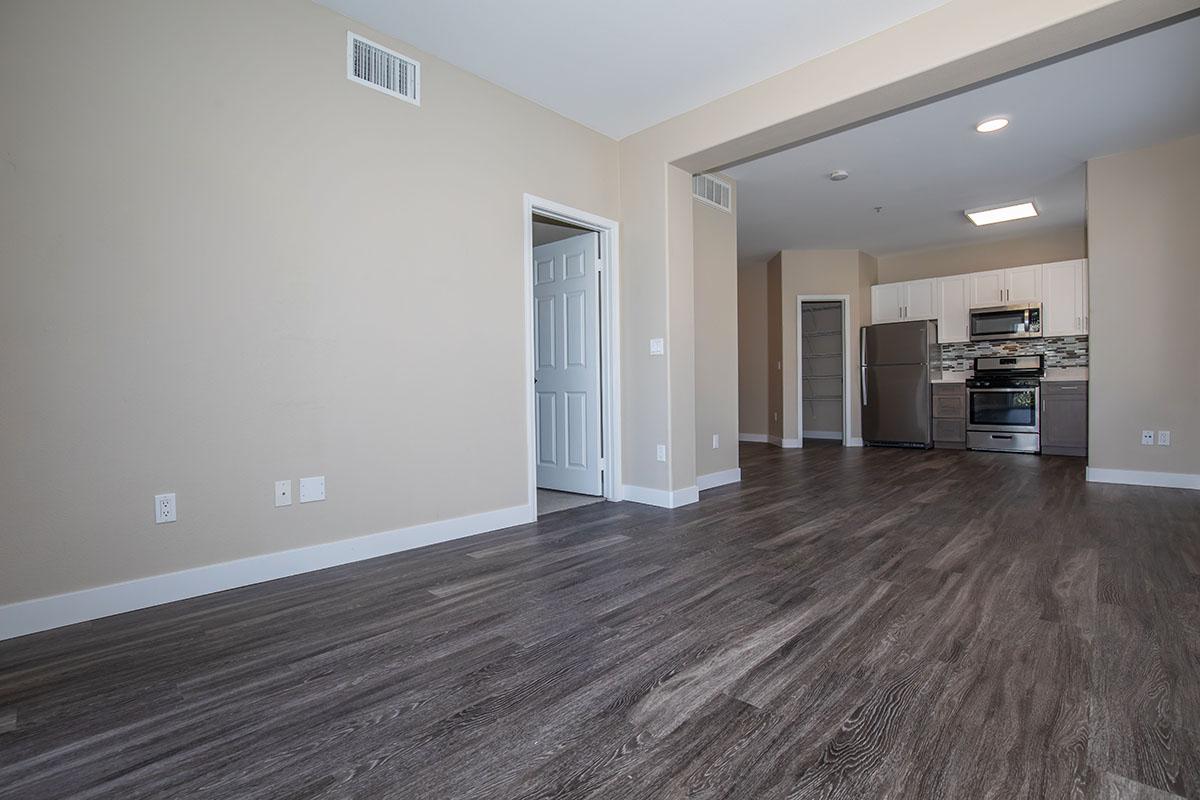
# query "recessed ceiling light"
(992, 125)
(990, 216)
(839, 175)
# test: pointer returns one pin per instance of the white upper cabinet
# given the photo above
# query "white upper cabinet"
(1061, 288)
(1002, 287)
(1023, 284)
(900, 302)
(987, 288)
(953, 296)
(1064, 298)
(920, 299)
(886, 302)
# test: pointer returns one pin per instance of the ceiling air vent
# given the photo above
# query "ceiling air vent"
(713, 191)
(383, 69)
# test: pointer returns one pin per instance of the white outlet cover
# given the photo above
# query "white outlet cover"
(662, 452)
(164, 508)
(283, 493)
(1164, 438)
(312, 489)
(656, 347)
(1147, 437)
(716, 440)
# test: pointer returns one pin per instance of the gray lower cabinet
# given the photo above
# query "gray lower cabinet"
(950, 415)
(1064, 418)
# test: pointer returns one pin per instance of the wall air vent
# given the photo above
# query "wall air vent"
(382, 69)
(713, 191)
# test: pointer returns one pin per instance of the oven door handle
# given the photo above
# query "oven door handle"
(1000, 391)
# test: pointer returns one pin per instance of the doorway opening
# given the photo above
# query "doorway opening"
(571, 360)
(823, 368)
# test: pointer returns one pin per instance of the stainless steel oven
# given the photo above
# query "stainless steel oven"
(1004, 404)
(1006, 322)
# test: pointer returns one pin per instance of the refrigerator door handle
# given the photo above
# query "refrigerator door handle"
(862, 347)
(864, 386)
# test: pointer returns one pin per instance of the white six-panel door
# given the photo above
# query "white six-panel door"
(566, 320)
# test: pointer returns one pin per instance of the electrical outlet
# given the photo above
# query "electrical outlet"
(656, 347)
(312, 489)
(1164, 438)
(164, 508)
(716, 440)
(662, 452)
(283, 493)
(1147, 437)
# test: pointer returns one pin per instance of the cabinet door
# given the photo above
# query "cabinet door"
(1064, 422)
(1062, 299)
(920, 299)
(886, 299)
(987, 288)
(1085, 303)
(1023, 284)
(952, 309)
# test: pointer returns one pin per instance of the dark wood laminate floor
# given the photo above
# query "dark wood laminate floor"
(842, 624)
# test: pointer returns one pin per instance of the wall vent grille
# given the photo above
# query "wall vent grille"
(382, 69)
(713, 191)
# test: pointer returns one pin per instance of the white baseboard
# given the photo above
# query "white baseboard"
(823, 435)
(44, 613)
(1138, 477)
(662, 497)
(752, 437)
(778, 442)
(714, 479)
(855, 441)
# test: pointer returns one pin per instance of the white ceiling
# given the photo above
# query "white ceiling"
(619, 66)
(926, 166)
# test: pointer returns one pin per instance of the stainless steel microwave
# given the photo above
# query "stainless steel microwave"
(1006, 322)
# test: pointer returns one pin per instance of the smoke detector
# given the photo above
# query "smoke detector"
(839, 175)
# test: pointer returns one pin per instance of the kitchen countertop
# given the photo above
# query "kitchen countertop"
(1052, 374)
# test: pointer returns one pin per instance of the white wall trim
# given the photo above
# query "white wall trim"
(661, 497)
(823, 435)
(844, 299)
(610, 337)
(752, 437)
(786, 443)
(1138, 477)
(44, 613)
(714, 479)
(854, 441)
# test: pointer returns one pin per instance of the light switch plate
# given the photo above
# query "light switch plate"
(1164, 438)
(164, 508)
(283, 493)
(312, 489)
(1147, 437)
(661, 452)
(716, 440)
(656, 347)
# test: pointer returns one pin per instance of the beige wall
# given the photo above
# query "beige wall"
(821, 272)
(752, 348)
(775, 425)
(716, 315)
(1061, 244)
(224, 264)
(1144, 280)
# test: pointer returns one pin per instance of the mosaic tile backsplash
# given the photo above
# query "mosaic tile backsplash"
(1060, 351)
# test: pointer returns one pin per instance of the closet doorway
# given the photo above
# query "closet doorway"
(823, 369)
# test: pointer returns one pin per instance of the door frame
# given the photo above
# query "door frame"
(844, 299)
(610, 341)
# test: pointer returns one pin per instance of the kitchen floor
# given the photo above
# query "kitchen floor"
(850, 623)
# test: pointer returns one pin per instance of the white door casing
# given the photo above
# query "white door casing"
(566, 324)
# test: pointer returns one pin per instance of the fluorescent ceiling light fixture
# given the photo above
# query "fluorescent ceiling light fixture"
(992, 125)
(989, 216)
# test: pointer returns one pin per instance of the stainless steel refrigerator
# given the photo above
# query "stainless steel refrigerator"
(897, 361)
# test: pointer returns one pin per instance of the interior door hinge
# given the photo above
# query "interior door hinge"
(603, 463)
